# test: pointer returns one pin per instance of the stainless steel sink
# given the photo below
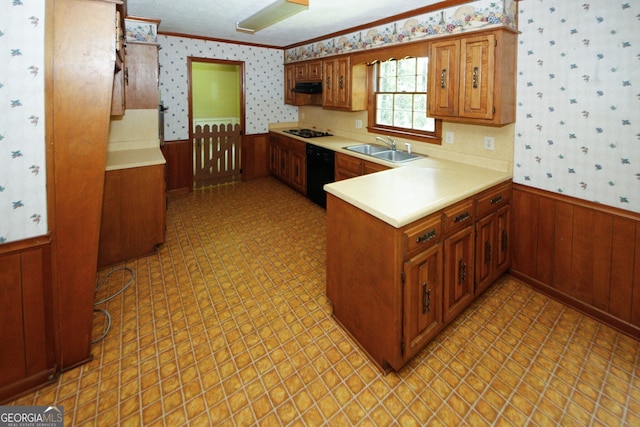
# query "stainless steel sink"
(368, 149)
(383, 153)
(395, 156)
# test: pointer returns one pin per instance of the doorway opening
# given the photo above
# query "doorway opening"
(216, 119)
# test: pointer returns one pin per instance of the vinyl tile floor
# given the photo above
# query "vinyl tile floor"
(228, 324)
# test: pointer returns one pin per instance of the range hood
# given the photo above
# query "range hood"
(308, 87)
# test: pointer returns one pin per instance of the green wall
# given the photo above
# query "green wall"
(215, 90)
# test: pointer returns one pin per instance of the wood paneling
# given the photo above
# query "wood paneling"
(27, 358)
(585, 254)
(179, 167)
(255, 156)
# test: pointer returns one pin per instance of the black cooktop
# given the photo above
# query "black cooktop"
(307, 133)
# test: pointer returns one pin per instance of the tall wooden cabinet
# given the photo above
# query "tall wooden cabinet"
(472, 78)
(79, 84)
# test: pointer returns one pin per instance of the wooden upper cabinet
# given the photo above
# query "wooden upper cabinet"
(443, 78)
(344, 85)
(472, 78)
(289, 83)
(141, 76)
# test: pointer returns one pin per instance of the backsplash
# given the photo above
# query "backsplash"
(578, 128)
(264, 87)
(23, 175)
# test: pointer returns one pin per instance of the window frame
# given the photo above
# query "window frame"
(434, 137)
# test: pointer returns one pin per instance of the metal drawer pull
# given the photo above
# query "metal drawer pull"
(426, 298)
(497, 199)
(462, 271)
(462, 217)
(429, 235)
(475, 77)
(487, 252)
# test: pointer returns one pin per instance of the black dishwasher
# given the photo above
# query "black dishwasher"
(320, 171)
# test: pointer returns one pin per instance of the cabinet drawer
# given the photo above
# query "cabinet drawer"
(421, 235)
(493, 199)
(457, 216)
(348, 163)
(298, 146)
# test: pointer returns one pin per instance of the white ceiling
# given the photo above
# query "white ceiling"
(217, 18)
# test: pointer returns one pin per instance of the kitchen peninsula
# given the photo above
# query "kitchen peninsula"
(410, 247)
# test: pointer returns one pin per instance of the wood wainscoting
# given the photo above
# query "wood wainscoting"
(27, 304)
(179, 166)
(584, 254)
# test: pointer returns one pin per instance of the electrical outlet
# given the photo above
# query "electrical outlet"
(358, 124)
(448, 137)
(488, 143)
(302, 114)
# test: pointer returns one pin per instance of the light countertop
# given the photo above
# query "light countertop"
(408, 191)
(133, 158)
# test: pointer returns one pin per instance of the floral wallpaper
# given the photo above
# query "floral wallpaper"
(23, 190)
(264, 86)
(578, 127)
(471, 16)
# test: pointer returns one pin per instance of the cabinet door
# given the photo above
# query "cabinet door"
(485, 252)
(283, 163)
(328, 91)
(142, 76)
(477, 68)
(343, 83)
(371, 167)
(444, 81)
(289, 83)
(503, 227)
(347, 167)
(458, 273)
(422, 299)
(273, 155)
(315, 70)
(302, 72)
(298, 170)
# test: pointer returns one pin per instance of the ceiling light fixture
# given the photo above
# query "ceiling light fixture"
(275, 12)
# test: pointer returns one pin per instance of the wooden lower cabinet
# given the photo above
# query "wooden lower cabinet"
(349, 167)
(395, 295)
(458, 273)
(493, 235)
(134, 210)
(288, 161)
(422, 300)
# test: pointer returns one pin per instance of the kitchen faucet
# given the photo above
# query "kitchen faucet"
(387, 140)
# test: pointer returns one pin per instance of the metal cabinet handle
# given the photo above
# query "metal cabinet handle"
(505, 240)
(475, 77)
(329, 83)
(426, 298)
(341, 83)
(487, 252)
(462, 217)
(429, 235)
(496, 200)
(443, 78)
(462, 271)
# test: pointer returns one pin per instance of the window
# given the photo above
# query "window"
(400, 100)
